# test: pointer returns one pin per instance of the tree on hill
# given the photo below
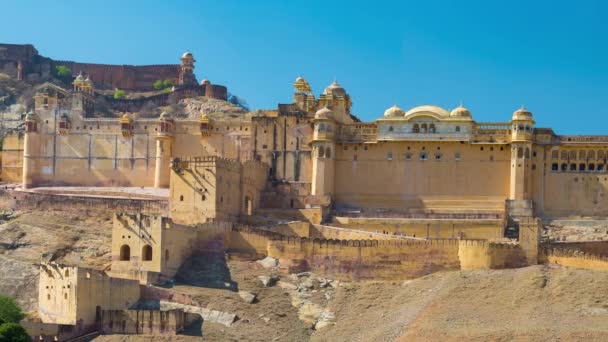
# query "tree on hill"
(63, 73)
(13, 332)
(9, 310)
(119, 94)
(10, 315)
(162, 84)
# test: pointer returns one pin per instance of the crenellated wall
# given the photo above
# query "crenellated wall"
(475, 255)
(369, 259)
(573, 258)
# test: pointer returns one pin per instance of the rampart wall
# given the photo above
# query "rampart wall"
(573, 258)
(126, 77)
(368, 259)
(144, 322)
(599, 248)
(435, 228)
(475, 255)
(22, 200)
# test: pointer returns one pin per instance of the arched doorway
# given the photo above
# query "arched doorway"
(125, 253)
(146, 253)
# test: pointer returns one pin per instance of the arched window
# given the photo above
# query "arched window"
(520, 152)
(564, 167)
(67, 273)
(432, 128)
(572, 167)
(416, 128)
(423, 128)
(166, 255)
(424, 156)
(581, 167)
(125, 253)
(390, 128)
(527, 153)
(457, 128)
(321, 152)
(181, 198)
(600, 167)
(389, 156)
(327, 152)
(408, 156)
(554, 167)
(146, 253)
(591, 167)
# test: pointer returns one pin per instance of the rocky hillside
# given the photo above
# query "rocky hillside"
(27, 238)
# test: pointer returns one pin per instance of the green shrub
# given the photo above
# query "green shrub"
(162, 84)
(9, 310)
(119, 94)
(13, 332)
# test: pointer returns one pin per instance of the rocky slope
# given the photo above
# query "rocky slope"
(27, 238)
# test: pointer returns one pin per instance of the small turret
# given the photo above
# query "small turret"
(126, 126)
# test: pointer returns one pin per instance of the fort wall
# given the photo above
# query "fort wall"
(599, 248)
(126, 77)
(369, 259)
(480, 255)
(426, 228)
(26, 200)
(572, 258)
(143, 322)
(477, 171)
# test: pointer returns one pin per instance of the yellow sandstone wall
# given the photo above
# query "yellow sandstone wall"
(483, 255)
(369, 259)
(12, 158)
(423, 228)
(572, 258)
(69, 295)
(398, 183)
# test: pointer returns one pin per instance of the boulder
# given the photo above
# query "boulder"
(268, 281)
(286, 286)
(268, 262)
(248, 297)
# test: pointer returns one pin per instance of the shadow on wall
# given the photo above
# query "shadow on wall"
(206, 269)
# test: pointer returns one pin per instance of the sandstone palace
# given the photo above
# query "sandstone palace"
(415, 191)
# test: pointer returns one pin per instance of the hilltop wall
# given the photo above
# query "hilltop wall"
(572, 258)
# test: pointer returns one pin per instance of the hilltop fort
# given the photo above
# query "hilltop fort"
(307, 183)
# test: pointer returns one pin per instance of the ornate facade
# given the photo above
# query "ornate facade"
(426, 159)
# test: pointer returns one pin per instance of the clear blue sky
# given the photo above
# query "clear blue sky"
(551, 56)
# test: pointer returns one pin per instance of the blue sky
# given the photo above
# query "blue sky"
(494, 56)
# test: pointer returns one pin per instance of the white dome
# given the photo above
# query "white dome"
(460, 111)
(394, 111)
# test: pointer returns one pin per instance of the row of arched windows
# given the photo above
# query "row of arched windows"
(125, 253)
(579, 155)
(323, 152)
(423, 128)
(581, 167)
